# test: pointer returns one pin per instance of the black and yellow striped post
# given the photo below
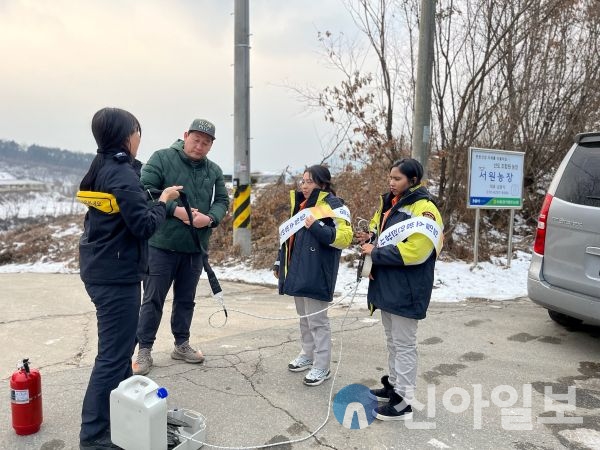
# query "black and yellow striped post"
(241, 217)
(241, 207)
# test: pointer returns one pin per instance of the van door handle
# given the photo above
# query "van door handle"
(593, 250)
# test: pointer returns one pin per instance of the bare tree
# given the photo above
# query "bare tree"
(515, 75)
(377, 82)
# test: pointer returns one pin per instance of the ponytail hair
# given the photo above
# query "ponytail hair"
(111, 128)
(321, 176)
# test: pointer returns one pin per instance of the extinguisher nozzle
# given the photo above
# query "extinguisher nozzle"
(24, 365)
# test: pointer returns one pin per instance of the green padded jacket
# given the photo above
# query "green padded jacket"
(203, 183)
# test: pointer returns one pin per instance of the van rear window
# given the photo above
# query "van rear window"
(580, 182)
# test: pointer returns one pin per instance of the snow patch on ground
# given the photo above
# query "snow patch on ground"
(39, 204)
(38, 267)
(60, 232)
(454, 281)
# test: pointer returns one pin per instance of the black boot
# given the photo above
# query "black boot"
(382, 395)
(102, 442)
(396, 409)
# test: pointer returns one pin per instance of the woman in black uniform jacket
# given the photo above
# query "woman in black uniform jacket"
(113, 259)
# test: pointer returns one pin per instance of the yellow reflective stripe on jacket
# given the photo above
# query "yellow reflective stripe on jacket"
(102, 201)
(343, 234)
(376, 220)
(343, 229)
(418, 247)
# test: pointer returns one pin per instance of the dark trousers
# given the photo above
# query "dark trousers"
(117, 312)
(182, 270)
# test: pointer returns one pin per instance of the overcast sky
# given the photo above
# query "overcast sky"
(166, 61)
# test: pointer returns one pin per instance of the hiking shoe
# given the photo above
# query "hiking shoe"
(395, 409)
(383, 394)
(186, 353)
(143, 362)
(300, 363)
(316, 376)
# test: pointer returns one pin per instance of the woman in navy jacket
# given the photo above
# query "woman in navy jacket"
(113, 259)
(404, 241)
(307, 268)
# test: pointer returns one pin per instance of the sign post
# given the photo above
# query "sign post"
(495, 182)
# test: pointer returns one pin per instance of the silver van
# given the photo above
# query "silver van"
(564, 275)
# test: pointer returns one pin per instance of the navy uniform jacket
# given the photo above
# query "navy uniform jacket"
(309, 268)
(113, 248)
(403, 273)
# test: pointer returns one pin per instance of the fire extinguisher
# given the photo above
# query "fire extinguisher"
(26, 399)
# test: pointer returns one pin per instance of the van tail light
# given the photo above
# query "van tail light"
(540, 235)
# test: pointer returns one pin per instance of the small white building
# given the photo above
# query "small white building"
(13, 185)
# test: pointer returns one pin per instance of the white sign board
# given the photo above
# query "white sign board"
(495, 179)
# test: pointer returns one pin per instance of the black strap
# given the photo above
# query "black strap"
(155, 193)
(210, 273)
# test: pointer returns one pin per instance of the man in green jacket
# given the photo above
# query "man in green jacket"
(174, 255)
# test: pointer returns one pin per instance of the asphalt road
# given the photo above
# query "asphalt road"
(492, 375)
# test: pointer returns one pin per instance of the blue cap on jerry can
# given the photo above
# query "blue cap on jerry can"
(162, 392)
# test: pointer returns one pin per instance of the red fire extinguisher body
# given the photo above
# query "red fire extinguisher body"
(26, 400)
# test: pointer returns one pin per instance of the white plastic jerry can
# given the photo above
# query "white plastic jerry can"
(138, 414)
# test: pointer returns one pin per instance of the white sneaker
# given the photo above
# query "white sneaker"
(316, 376)
(300, 363)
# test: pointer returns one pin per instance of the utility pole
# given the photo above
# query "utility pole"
(422, 113)
(241, 128)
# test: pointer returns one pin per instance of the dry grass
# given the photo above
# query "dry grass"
(36, 240)
(39, 240)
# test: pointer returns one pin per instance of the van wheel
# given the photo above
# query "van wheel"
(564, 320)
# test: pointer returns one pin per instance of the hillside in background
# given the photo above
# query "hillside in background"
(44, 156)
(53, 166)
(38, 181)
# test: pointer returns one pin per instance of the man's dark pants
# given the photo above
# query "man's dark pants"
(117, 312)
(182, 270)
